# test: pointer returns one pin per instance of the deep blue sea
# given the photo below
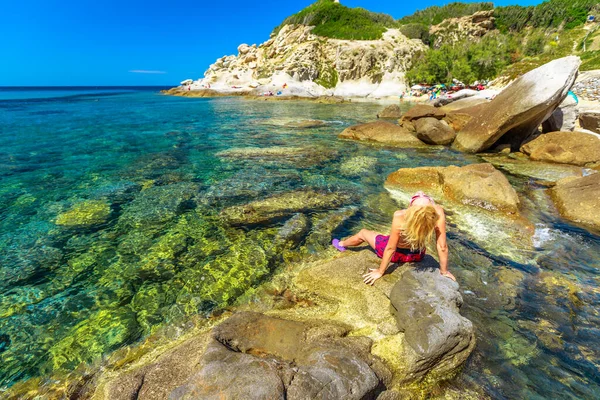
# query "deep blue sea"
(110, 229)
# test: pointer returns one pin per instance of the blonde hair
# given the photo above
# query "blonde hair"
(419, 226)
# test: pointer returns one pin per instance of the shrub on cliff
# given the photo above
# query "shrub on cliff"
(340, 22)
(416, 31)
(435, 14)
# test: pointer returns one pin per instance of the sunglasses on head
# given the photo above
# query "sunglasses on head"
(416, 196)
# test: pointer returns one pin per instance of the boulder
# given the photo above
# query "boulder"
(565, 147)
(423, 111)
(282, 205)
(382, 132)
(392, 111)
(433, 131)
(590, 120)
(426, 305)
(479, 185)
(563, 118)
(519, 109)
(578, 199)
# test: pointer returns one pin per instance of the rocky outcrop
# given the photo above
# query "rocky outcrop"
(578, 199)
(392, 111)
(544, 173)
(426, 306)
(311, 65)
(453, 30)
(518, 110)
(433, 131)
(563, 118)
(478, 185)
(565, 147)
(590, 120)
(382, 132)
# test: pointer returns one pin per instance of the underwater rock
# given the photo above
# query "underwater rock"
(120, 192)
(578, 199)
(158, 205)
(298, 156)
(575, 148)
(306, 124)
(382, 132)
(433, 131)
(357, 166)
(392, 111)
(278, 206)
(426, 305)
(85, 214)
(479, 185)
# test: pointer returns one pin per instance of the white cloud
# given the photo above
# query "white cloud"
(145, 71)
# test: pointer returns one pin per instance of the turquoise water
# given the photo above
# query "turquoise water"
(110, 228)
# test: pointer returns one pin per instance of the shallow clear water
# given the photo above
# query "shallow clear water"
(110, 228)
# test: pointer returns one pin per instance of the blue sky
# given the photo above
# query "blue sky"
(85, 42)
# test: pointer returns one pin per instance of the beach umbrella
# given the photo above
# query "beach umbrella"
(416, 87)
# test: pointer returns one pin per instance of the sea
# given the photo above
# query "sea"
(110, 229)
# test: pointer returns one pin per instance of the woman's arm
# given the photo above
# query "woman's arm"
(372, 276)
(441, 244)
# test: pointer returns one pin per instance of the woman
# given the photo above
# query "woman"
(411, 230)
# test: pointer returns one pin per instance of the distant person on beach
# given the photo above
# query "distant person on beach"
(411, 230)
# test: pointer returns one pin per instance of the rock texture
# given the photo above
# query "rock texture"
(578, 199)
(479, 185)
(392, 111)
(423, 111)
(565, 147)
(313, 65)
(590, 120)
(519, 109)
(433, 131)
(426, 306)
(563, 118)
(452, 30)
(382, 132)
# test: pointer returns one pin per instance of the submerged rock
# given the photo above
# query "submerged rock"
(426, 305)
(299, 156)
(565, 147)
(85, 214)
(433, 131)
(519, 109)
(278, 206)
(357, 166)
(578, 199)
(382, 132)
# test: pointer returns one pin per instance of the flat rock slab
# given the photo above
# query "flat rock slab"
(542, 171)
(578, 199)
(426, 305)
(382, 132)
(520, 108)
(281, 205)
(478, 185)
(575, 148)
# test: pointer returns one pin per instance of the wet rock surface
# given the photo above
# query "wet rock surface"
(426, 305)
(578, 199)
(382, 132)
(520, 108)
(565, 147)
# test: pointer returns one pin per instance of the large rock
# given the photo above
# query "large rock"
(282, 205)
(423, 111)
(463, 102)
(478, 185)
(382, 132)
(590, 120)
(563, 118)
(520, 108)
(565, 147)
(426, 305)
(392, 111)
(578, 199)
(433, 131)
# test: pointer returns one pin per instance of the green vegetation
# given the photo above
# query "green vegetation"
(340, 22)
(416, 31)
(435, 15)
(567, 14)
(328, 77)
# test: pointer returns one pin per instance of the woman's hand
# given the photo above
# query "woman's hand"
(372, 276)
(449, 275)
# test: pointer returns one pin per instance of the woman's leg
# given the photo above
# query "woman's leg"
(364, 235)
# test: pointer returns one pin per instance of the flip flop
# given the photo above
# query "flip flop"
(336, 243)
